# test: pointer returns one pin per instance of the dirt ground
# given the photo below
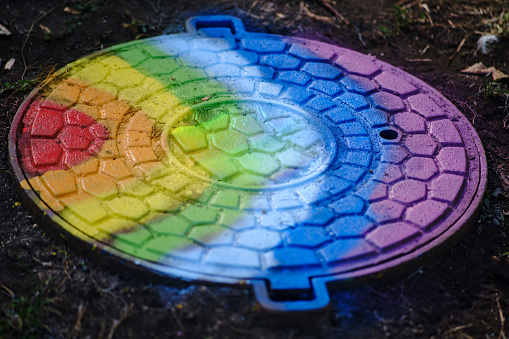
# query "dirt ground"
(50, 290)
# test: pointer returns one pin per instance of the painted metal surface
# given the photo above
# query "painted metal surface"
(227, 156)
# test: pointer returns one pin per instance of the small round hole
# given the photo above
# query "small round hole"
(389, 134)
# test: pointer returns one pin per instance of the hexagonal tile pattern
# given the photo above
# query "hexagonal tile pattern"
(420, 168)
(258, 239)
(385, 211)
(128, 207)
(408, 191)
(421, 145)
(190, 138)
(258, 163)
(99, 185)
(225, 156)
(230, 142)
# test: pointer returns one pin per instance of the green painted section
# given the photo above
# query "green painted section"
(259, 163)
(136, 238)
(226, 199)
(246, 124)
(169, 225)
(199, 215)
(230, 142)
(216, 163)
(190, 138)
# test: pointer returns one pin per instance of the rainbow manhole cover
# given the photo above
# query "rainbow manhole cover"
(226, 156)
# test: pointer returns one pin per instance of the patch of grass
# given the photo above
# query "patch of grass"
(18, 86)
(86, 7)
(402, 19)
(498, 25)
(493, 211)
(496, 89)
(138, 28)
(386, 32)
(402, 16)
(21, 316)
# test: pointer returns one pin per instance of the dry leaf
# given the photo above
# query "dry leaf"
(479, 69)
(4, 30)
(9, 64)
(45, 29)
(497, 75)
(72, 11)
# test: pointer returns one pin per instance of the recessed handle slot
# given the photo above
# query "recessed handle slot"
(197, 23)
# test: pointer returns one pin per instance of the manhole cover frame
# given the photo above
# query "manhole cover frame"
(317, 298)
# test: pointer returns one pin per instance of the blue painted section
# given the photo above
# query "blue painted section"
(304, 230)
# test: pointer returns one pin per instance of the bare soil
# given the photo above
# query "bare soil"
(50, 290)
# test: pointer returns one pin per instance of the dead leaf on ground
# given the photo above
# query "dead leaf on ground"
(480, 69)
(9, 64)
(4, 30)
(72, 11)
(497, 75)
(45, 29)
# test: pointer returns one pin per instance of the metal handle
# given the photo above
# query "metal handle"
(318, 304)
(196, 23)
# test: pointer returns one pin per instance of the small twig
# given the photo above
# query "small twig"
(312, 15)
(359, 35)
(459, 48)
(103, 329)
(501, 334)
(401, 2)
(26, 39)
(77, 326)
(11, 293)
(253, 5)
(331, 9)
(459, 328)
(428, 16)
(412, 4)
(177, 319)
(420, 60)
(116, 323)
(304, 9)
(157, 6)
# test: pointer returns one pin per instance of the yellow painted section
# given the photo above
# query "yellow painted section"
(103, 195)
(138, 86)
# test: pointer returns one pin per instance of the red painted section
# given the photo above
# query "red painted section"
(45, 152)
(74, 137)
(47, 123)
(54, 138)
(77, 118)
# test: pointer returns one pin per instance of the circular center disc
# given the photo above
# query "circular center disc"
(229, 156)
(258, 145)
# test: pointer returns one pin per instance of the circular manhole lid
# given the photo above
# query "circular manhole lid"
(227, 156)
